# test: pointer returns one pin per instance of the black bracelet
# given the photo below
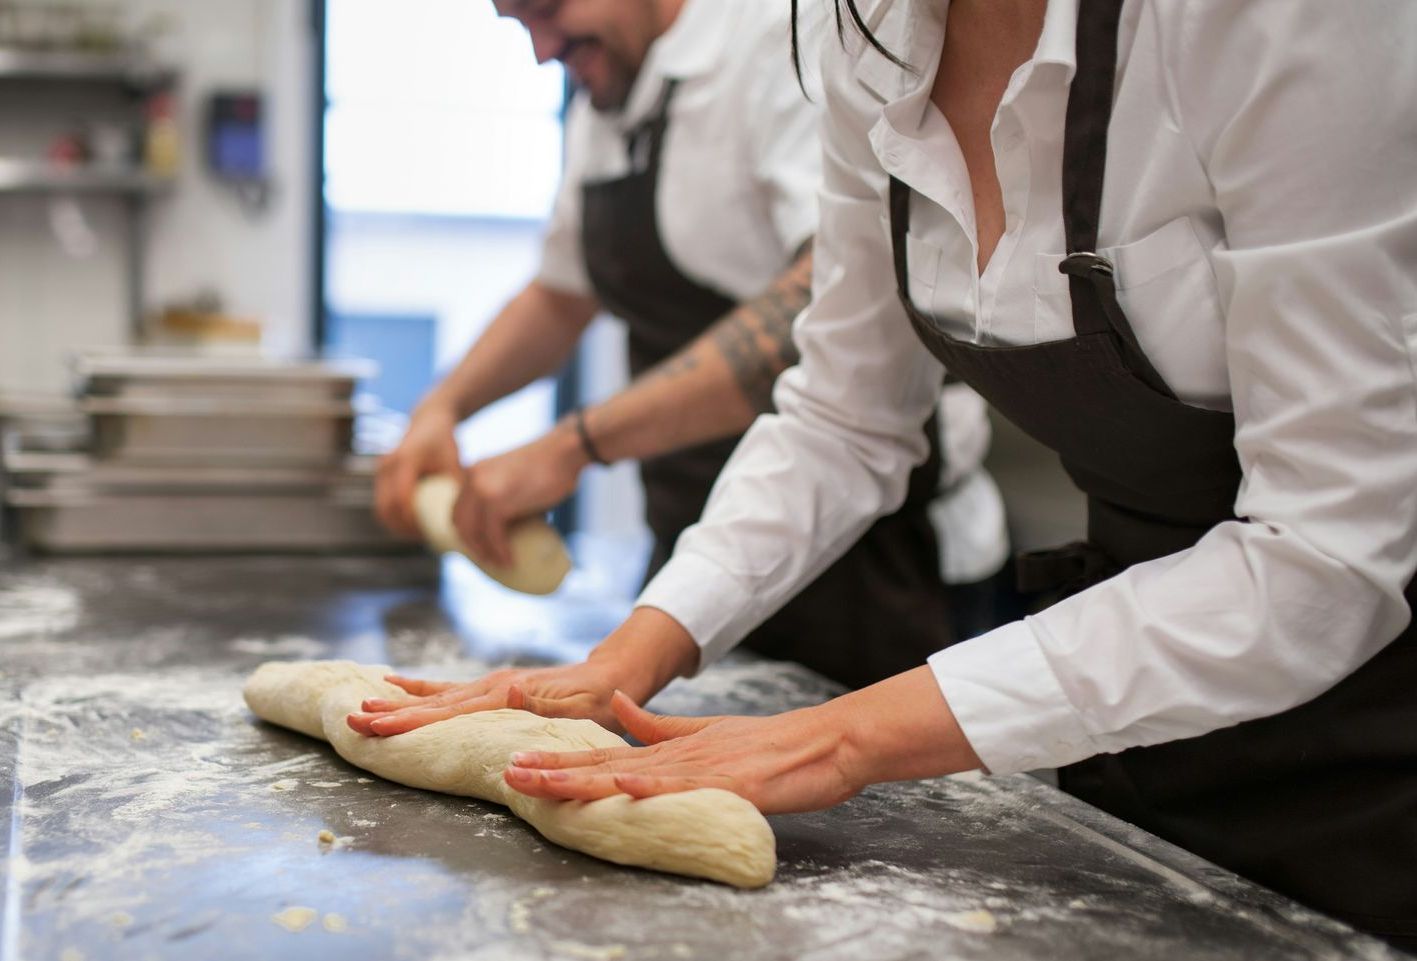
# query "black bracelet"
(586, 443)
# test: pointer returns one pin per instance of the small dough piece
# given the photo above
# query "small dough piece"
(326, 836)
(706, 833)
(295, 919)
(539, 558)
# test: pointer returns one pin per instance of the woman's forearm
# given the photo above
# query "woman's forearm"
(899, 729)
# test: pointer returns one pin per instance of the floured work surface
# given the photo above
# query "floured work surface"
(154, 820)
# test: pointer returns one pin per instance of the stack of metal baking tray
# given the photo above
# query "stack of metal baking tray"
(196, 454)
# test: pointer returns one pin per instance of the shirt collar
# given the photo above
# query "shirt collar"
(695, 43)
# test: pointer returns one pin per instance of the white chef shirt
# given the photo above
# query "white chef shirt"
(742, 162)
(738, 197)
(1261, 209)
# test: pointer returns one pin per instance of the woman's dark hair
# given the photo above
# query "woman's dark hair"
(857, 21)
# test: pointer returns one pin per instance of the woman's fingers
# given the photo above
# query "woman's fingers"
(649, 785)
(559, 786)
(401, 722)
(420, 688)
(592, 784)
(556, 760)
(389, 723)
(650, 728)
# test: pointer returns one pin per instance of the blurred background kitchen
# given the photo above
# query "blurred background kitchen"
(239, 239)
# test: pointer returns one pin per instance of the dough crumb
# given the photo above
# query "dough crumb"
(364, 780)
(138, 734)
(335, 923)
(326, 836)
(288, 784)
(325, 784)
(542, 892)
(120, 919)
(589, 952)
(295, 919)
(975, 922)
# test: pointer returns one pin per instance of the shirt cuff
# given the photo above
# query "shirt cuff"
(1009, 703)
(706, 600)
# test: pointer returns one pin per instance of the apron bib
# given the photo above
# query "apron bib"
(880, 609)
(1319, 802)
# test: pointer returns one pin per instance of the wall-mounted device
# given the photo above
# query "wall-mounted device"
(236, 145)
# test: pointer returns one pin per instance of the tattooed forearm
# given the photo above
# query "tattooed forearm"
(756, 339)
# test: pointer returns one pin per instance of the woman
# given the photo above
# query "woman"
(1212, 317)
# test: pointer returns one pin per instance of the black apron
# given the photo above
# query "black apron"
(1319, 802)
(881, 608)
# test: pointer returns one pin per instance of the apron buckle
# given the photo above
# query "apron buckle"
(1084, 263)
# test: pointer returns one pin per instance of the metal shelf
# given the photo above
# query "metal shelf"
(37, 177)
(72, 65)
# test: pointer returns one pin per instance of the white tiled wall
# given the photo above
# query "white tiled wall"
(200, 238)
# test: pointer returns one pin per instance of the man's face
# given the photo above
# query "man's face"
(602, 43)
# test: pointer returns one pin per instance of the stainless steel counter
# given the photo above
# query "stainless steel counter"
(152, 817)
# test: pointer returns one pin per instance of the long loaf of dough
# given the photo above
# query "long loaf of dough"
(706, 833)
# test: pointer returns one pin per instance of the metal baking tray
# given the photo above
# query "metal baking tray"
(59, 521)
(202, 431)
(353, 476)
(185, 377)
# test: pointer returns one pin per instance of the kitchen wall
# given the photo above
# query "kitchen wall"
(199, 237)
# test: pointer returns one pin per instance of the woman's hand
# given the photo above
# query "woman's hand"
(789, 762)
(645, 653)
(577, 690)
(803, 760)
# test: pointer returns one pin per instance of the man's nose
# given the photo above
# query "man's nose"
(546, 42)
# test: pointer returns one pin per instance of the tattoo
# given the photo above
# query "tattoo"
(680, 363)
(756, 339)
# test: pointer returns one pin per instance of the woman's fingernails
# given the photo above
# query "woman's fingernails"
(524, 757)
(520, 774)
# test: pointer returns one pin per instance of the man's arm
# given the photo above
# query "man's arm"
(530, 338)
(713, 388)
(716, 386)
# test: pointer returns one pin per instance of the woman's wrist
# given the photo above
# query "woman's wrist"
(646, 652)
(899, 729)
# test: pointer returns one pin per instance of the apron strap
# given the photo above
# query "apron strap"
(1091, 278)
(645, 143)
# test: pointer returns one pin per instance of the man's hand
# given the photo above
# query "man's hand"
(529, 480)
(428, 447)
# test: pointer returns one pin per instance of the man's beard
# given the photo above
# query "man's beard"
(618, 77)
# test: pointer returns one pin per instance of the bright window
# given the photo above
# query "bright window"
(438, 107)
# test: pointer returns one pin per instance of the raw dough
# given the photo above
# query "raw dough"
(295, 919)
(539, 559)
(707, 833)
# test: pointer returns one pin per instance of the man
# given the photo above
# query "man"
(687, 210)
